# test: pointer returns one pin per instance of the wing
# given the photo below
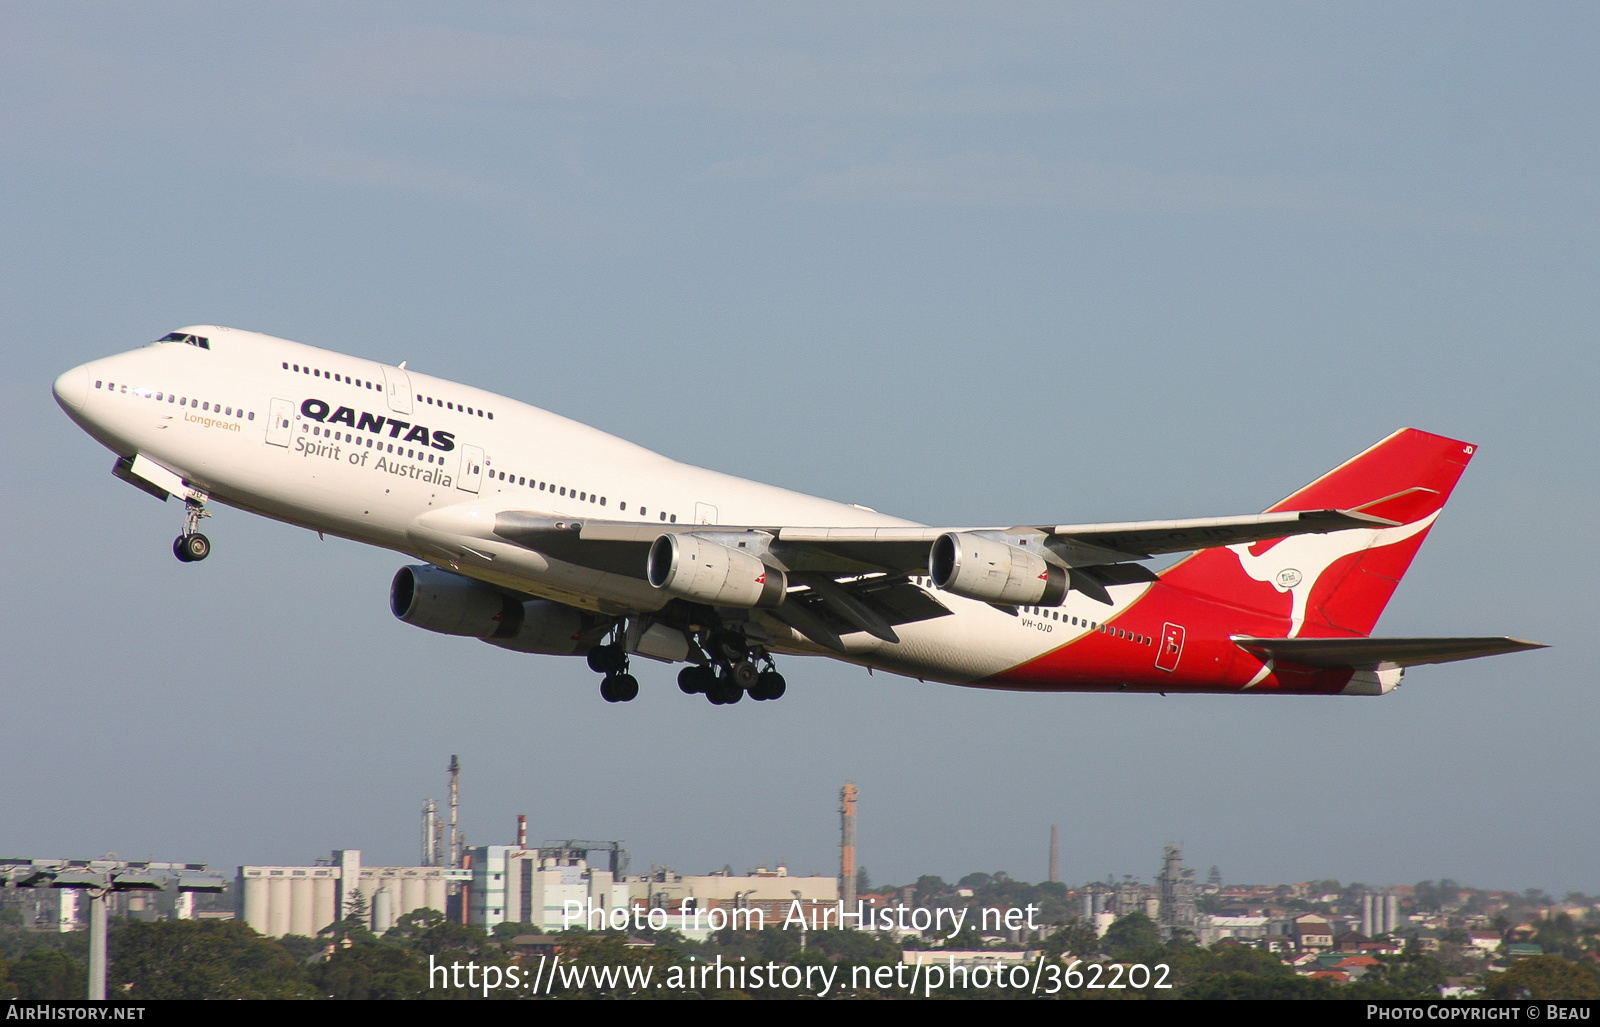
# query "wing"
(904, 549)
(846, 579)
(1371, 652)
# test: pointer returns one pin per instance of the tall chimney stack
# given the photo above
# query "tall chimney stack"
(430, 847)
(1055, 866)
(847, 846)
(455, 806)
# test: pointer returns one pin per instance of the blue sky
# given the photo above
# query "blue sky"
(963, 263)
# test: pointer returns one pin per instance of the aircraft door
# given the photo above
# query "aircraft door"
(397, 387)
(705, 513)
(1171, 647)
(471, 476)
(280, 422)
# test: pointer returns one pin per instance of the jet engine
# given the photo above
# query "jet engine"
(981, 567)
(453, 604)
(709, 572)
(550, 628)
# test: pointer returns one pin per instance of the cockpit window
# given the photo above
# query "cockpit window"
(193, 340)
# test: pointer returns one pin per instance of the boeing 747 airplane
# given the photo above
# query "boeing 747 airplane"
(542, 535)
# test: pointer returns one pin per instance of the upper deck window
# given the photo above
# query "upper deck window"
(193, 340)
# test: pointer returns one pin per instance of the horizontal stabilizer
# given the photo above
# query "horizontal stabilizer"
(1370, 652)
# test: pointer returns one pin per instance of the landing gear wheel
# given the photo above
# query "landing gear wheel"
(192, 548)
(770, 685)
(724, 691)
(624, 686)
(608, 690)
(695, 679)
(745, 674)
(177, 549)
(607, 659)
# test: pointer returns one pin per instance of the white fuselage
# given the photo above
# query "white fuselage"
(233, 420)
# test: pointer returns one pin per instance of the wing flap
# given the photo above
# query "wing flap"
(1370, 652)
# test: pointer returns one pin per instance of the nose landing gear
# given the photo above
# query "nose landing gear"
(191, 546)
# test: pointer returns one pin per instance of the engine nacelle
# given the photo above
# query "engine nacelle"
(708, 572)
(984, 568)
(452, 604)
(547, 627)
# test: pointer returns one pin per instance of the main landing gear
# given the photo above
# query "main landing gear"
(729, 669)
(191, 546)
(617, 685)
(733, 670)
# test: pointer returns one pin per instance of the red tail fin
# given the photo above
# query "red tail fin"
(1338, 583)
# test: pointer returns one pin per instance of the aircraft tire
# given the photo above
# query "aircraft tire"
(745, 674)
(625, 687)
(608, 689)
(606, 659)
(694, 679)
(195, 547)
(177, 550)
(770, 685)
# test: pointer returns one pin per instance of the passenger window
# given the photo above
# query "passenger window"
(582, 497)
(297, 367)
(563, 490)
(491, 417)
(602, 500)
(663, 515)
(286, 365)
(205, 406)
(173, 399)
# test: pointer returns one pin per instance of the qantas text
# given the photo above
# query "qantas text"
(319, 410)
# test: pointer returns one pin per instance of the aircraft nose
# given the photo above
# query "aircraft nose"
(72, 389)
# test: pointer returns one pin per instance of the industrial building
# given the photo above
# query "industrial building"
(514, 884)
(280, 900)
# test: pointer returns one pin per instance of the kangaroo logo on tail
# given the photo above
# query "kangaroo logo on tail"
(1295, 564)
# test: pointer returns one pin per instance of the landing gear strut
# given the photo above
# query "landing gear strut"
(191, 546)
(612, 661)
(733, 668)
